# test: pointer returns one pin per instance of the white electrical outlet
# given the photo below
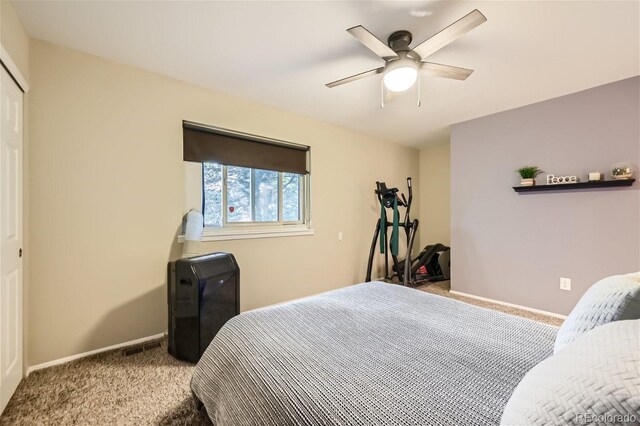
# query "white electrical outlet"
(565, 284)
(339, 236)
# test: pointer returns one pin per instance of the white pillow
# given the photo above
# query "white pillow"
(593, 380)
(610, 299)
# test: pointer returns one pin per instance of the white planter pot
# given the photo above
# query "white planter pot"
(527, 182)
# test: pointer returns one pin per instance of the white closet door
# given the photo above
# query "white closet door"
(10, 237)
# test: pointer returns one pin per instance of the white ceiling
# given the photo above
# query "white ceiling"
(282, 53)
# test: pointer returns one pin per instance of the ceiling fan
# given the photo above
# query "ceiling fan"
(403, 64)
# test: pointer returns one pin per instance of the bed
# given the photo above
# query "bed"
(368, 354)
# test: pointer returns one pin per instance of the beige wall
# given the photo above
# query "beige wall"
(15, 41)
(107, 196)
(435, 195)
(14, 38)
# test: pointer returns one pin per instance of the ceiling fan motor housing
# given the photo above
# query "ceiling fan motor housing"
(405, 59)
(399, 41)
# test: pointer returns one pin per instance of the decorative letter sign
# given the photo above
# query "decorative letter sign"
(555, 180)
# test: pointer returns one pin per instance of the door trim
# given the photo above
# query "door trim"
(13, 70)
(14, 372)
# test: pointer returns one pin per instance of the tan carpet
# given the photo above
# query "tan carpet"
(149, 388)
(441, 288)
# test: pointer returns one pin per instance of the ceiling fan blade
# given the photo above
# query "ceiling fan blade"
(355, 77)
(372, 42)
(449, 34)
(445, 71)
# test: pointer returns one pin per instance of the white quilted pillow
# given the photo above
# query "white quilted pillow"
(593, 380)
(610, 299)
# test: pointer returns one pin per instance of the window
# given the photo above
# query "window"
(248, 186)
(237, 196)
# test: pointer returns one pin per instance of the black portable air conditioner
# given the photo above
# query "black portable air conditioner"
(203, 294)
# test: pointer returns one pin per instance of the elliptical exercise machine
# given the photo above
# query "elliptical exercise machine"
(389, 199)
(432, 264)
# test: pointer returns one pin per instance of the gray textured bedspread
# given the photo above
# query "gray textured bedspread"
(370, 354)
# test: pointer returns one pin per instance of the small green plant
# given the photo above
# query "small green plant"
(529, 172)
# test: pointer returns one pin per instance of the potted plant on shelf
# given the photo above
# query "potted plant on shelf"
(528, 175)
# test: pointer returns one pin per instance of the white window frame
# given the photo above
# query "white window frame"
(251, 230)
(280, 221)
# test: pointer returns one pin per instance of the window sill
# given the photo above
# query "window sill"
(212, 234)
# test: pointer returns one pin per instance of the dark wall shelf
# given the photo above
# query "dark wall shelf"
(579, 185)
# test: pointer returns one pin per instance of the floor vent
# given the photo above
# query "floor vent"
(141, 348)
(152, 345)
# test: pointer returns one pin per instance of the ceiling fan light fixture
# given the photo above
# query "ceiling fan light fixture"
(400, 79)
(400, 75)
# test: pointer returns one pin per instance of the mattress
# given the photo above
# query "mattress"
(372, 353)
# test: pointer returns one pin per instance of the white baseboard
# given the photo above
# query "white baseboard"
(93, 352)
(511, 305)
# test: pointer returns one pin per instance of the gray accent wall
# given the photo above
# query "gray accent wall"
(515, 247)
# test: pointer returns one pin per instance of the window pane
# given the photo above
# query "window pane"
(291, 197)
(238, 194)
(212, 182)
(266, 196)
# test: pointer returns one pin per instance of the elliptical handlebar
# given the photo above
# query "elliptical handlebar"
(378, 192)
(408, 204)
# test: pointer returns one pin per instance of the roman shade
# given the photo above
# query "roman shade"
(203, 143)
